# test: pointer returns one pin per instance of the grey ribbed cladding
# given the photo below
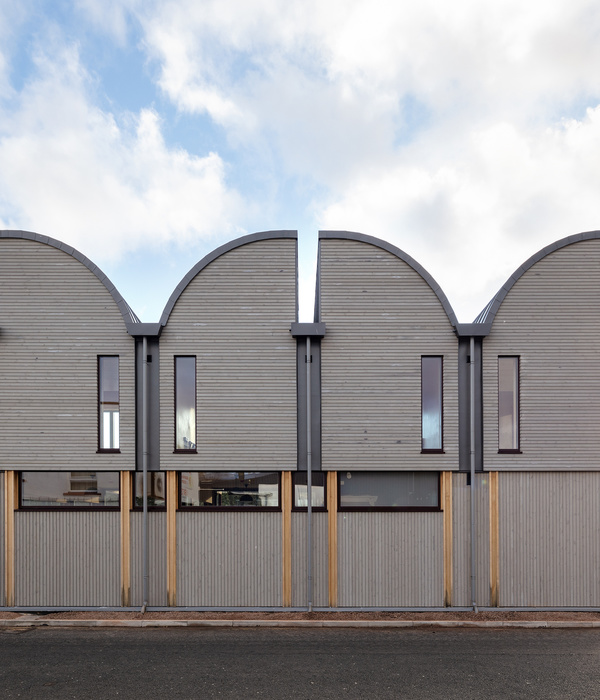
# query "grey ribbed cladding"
(489, 312)
(127, 312)
(384, 245)
(212, 256)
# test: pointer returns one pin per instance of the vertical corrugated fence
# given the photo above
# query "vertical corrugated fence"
(299, 559)
(157, 559)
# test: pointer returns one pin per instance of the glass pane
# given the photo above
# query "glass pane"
(230, 489)
(508, 403)
(301, 490)
(156, 490)
(108, 375)
(69, 489)
(431, 403)
(389, 489)
(185, 403)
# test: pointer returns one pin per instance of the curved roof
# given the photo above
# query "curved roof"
(211, 257)
(384, 245)
(489, 312)
(126, 311)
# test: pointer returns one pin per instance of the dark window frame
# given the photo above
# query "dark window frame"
(107, 450)
(64, 508)
(181, 450)
(304, 509)
(510, 450)
(434, 450)
(390, 509)
(228, 509)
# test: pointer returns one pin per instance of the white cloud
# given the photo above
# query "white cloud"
(104, 184)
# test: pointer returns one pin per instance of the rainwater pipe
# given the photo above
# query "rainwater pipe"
(145, 471)
(309, 581)
(473, 490)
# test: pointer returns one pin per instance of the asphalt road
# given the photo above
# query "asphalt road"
(309, 663)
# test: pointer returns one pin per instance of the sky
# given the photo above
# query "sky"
(147, 133)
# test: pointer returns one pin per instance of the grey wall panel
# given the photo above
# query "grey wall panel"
(157, 551)
(461, 540)
(390, 559)
(320, 560)
(550, 539)
(229, 559)
(2, 561)
(67, 559)
(57, 317)
(381, 317)
(235, 316)
(550, 320)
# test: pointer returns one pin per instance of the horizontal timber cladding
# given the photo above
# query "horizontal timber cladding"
(157, 558)
(381, 317)
(550, 319)
(550, 539)
(229, 559)
(67, 559)
(461, 540)
(390, 559)
(234, 317)
(57, 318)
(300, 559)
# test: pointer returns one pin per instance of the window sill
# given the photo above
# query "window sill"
(433, 452)
(510, 452)
(108, 451)
(185, 452)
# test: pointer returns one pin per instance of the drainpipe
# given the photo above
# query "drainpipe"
(309, 478)
(473, 490)
(145, 471)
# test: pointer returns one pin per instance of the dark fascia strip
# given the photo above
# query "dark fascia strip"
(419, 269)
(139, 330)
(304, 330)
(211, 257)
(127, 313)
(473, 330)
(489, 312)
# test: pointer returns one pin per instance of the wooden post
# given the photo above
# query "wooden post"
(286, 508)
(447, 508)
(494, 540)
(10, 503)
(171, 538)
(332, 563)
(125, 498)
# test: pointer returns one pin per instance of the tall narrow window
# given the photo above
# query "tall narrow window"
(431, 403)
(185, 404)
(508, 404)
(108, 402)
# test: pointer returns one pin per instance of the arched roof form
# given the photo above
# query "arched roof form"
(127, 313)
(411, 262)
(488, 314)
(211, 257)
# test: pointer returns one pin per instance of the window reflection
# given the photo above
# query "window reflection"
(229, 489)
(185, 403)
(431, 403)
(69, 489)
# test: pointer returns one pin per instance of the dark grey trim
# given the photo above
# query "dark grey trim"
(384, 245)
(211, 257)
(464, 405)
(139, 330)
(315, 395)
(153, 407)
(127, 313)
(475, 330)
(489, 312)
(302, 330)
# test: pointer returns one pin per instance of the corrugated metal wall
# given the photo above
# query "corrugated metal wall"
(67, 559)
(390, 559)
(2, 561)
(235, 317)
(550, 319)
(157, 558)
(299, 560)
(461, 540)
(57, 317)
(381, 317)
(229, 559)
(549, 539)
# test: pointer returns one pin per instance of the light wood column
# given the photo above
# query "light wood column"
(172, 538)
(286, 548)
(10, 504)
(125, 497)
(332, 563)
(447, 508)
(494, 540)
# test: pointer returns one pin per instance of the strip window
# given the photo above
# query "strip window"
(230, 491)
(83, 490)
(508, 404)
(185, 404)
(431, 404)
(318, 491)
(108, 404)
(389, 491)
(156, 490)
